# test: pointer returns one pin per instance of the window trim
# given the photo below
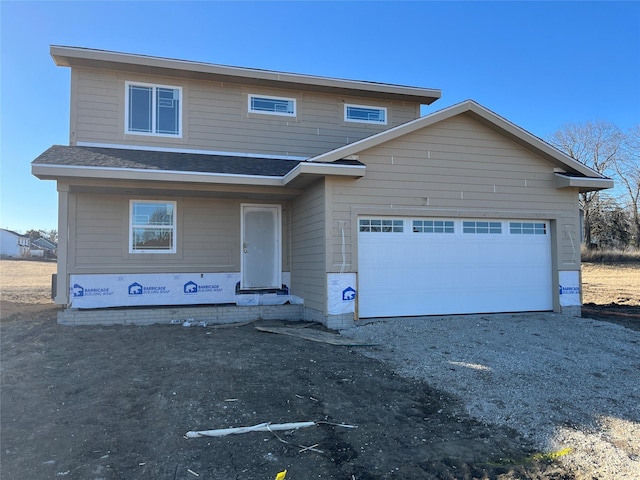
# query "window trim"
(251, 96)
(174, 227)
(370, 107)
(154, 86)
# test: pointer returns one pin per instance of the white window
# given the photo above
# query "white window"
(528, 228)
(481, 227)
(153, 109)
(272, 105)
(379, 225)
(152, 227)
(365, 114)
(433, 226)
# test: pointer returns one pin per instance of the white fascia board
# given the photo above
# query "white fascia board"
(323, 169)
(187, 150)
(55, 171)
(71, 171)
(585, 184)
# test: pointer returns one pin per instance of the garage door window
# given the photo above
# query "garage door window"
(433, 226)
(381, 225)
(528, 228)
(481, 227)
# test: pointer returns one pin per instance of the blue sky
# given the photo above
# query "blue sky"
(539, 64)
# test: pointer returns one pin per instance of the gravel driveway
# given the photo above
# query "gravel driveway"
(563, 382)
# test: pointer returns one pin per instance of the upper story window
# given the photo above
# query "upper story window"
(153, 109)
(272, 105)
(152, 227)
(365, 114)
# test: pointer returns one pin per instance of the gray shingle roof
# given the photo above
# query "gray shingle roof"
(163, 161)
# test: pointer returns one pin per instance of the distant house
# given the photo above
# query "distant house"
(188, 183)
(14, 244)
(46, 248)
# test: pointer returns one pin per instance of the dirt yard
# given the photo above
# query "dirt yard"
(612, 292)
(116, 402)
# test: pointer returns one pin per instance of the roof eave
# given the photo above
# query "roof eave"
(301, 175)
(305, 172)
(583, 184)
(56, 172)
(90, 58)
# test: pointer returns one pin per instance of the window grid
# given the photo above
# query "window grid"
(365, 114)
(381, 225)
(153, 109)
(482, 227)
(433, 226)
(528, 228)
(152, 227)
(272, 105)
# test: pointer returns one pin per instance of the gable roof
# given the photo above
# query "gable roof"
(86, 57)
(44, 243)
(575, 174)
(14, 233)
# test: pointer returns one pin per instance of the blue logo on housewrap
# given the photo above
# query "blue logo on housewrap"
(135, 289)
(569, 290)
(78, 290)
(348, 294)
(190, 287)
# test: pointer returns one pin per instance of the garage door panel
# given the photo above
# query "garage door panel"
(410, 274)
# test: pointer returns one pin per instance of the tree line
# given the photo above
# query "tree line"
(611, 219)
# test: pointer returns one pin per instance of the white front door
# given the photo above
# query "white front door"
(261, 247)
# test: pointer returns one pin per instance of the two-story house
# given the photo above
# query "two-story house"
(188, 183)
(14, 244)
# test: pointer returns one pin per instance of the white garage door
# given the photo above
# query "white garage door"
(419, 266)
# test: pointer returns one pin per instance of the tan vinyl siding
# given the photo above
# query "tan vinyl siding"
(457, 165)
(215, 117)
(308, 277)
(207, 239)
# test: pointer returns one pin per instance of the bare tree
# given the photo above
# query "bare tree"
(595, 144)
(610, 227)
(627, 166)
